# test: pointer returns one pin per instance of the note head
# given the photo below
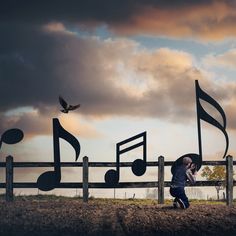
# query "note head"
(111, 177)
(48, 181)
(12, 136)
(139, 167)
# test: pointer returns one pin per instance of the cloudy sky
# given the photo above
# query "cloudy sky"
(130, 64)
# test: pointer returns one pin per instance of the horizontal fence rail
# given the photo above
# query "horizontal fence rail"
(150, 184)
(102, 164)
(9, 185)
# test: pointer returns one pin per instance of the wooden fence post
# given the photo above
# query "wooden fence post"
(229, 180)
(85, 179)
(161, 166)
(9, 178)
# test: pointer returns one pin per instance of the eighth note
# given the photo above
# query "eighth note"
(50, 179)
(138, 166)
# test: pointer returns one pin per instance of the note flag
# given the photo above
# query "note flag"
(203, 115)
(50, 179)
(138, 166)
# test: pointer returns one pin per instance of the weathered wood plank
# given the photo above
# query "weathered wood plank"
(85, 178)
(229, 180)
(9, 178)
(150, 184)
(101, 164)
(161, 174)
(34, 185)
(2, 164)
(76, 164)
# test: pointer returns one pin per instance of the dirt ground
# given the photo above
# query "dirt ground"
(73, 217)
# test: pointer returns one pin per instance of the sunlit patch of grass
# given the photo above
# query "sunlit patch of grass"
(210, 202)
(39, 197)
(130, 201)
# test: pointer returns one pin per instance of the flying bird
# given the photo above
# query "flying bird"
(66, 107)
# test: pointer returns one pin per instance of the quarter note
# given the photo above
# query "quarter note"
(138, 166)
(50, 179)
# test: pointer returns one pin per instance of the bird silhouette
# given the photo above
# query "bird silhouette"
(66, 107)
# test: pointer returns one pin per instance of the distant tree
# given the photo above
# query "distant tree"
(218, 173)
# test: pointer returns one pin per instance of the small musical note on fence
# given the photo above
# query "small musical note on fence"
(203, 115)
(138, 166)
(50, 179)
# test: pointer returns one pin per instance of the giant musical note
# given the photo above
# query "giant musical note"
(50, 179)
(138, 166)
(203, 115)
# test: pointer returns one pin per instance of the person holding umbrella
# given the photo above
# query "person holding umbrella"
(185, 171)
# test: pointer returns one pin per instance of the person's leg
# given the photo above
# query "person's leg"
(181, 197)
(173, 195)
(175, 201)
(172, 192)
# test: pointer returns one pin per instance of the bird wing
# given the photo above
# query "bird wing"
(63, 102)
(64, 111)
(73, 107)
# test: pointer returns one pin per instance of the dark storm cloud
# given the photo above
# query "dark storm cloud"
(25, 59)
(37, 64)
(83, 10)
(207, 20)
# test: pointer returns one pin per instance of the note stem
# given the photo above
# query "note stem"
(198, 121)
(118, 159)
(56, 149)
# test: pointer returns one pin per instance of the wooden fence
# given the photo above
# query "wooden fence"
(9, 184)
